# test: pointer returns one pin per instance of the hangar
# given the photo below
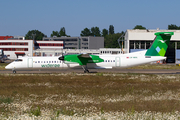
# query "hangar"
(137, 40)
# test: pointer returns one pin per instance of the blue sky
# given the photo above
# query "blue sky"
(17, 17)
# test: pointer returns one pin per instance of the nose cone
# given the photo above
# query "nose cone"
(9, 66)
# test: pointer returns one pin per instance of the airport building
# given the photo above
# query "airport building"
(5, 37)
(58, 52)
(137, 40)
(68, 45)
(15, 48)
(89, 42)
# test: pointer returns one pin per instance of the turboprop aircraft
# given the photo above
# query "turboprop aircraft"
(155, 53)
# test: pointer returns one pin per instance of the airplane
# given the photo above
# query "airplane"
(155, 53)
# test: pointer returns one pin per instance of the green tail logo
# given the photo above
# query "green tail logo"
(160, 44)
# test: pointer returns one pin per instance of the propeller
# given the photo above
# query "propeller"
(62, 56)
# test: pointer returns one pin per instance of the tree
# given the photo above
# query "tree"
(173, 27)
(104, 32)
(110, 41)
(111, 29)
(85, 32)
(139, 27)
(35, 34)
(95, 31)
(55, 33)
(62, 32)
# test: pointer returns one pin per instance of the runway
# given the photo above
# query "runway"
(114, 70)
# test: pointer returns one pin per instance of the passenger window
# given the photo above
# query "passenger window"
(49, 61)
(18, 60)
(54, 61)
(38, 61)
(35, 61)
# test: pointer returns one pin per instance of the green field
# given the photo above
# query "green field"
(89, 96)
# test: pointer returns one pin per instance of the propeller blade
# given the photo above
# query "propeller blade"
(61, 58)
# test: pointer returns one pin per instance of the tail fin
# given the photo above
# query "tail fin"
(160, 44)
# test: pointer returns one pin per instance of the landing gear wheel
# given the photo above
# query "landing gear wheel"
(86, 71)
(14, 71)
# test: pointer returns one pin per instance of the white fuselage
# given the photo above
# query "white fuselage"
(122, 60)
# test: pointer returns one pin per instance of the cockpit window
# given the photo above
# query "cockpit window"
(18, 60)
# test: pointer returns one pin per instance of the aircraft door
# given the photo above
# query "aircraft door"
(30, 62)
(61, 63)
(117, 61)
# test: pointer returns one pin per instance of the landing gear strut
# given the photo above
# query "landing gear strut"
(85, 69)
(14, 71)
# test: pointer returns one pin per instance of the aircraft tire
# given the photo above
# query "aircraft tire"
(14, 71)
(86, 71)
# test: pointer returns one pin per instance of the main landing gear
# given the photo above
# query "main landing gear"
(14, 71)
(85, 69)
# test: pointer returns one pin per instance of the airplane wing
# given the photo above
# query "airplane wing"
(82, 58)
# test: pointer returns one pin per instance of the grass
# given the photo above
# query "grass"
(6, 100)
(82, 94)
(155, 66)
(35, 111)
(3, 65)
(90, 94)
(65, 111)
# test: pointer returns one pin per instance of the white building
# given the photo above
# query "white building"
(52, 45)
(15, 48)
(48, 48)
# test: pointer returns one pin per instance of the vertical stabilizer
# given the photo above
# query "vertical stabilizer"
(160, 44)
